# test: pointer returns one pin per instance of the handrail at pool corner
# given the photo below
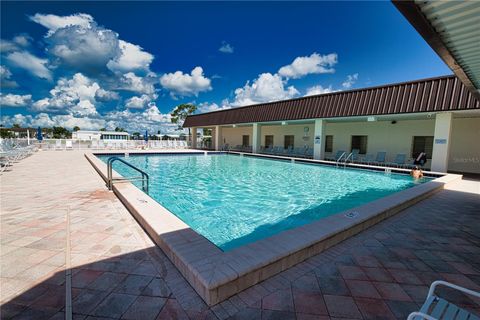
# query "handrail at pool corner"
(111, 160)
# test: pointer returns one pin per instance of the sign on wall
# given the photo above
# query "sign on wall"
(440, 141)
(317, 139)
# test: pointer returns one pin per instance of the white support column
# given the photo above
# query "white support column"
(194, 138)
(217, 137)
(256, 138)
(441, 141)
(319, 139)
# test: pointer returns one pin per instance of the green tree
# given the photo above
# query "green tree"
(136, 135)
(119, 129)
(5, 133)
(16, 125)
(103, 129)
(181, 112)
(60, 133)
(76, 128)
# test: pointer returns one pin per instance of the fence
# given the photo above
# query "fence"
(77, 144)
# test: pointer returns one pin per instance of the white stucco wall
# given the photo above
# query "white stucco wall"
(233, 136)
(301, 139)
(465, 145)
(382, 135)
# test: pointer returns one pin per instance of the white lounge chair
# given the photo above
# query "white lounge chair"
(435, 308)
(68, 145)
(58, 144)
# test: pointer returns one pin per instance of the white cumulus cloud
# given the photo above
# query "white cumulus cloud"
(76, 96)
(209, 107)
(22, 40)
(53, 22)
(78, 42)
(15, 100)
(226, 47)
(131, 58)
(151, 119)
(265, 88)
(185, 84)
(5, 78)
(85, 49)
(313, 64)
(106, 95)
(350, 81)
(138, 102)
(131, 82)
(30, 63)
(319, 90)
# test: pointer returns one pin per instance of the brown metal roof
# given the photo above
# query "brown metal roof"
(446, 93)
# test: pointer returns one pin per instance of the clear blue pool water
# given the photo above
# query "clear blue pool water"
(233, 200)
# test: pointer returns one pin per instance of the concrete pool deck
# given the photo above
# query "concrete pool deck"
(57, 219)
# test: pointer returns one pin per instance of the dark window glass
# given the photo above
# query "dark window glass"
(422, 144)
(328, 143)
(360, 143)
(268, 141)
(245, 141)
(288, 142)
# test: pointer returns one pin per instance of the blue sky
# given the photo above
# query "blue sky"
(107, 64)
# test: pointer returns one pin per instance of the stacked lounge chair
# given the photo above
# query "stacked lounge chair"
(12, 151)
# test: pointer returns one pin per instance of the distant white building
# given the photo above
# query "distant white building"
(87, 135)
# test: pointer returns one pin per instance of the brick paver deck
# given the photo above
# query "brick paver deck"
(57, 219)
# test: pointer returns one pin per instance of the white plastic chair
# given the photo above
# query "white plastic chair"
(58, 144)
(68, 145)
(435, 308)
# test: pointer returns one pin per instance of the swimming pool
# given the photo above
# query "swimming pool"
(233, 200)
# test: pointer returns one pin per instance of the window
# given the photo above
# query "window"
(360, 143)
(246, 140)
(288, 142)
(328, 143)
(422, 144)
(268, 141)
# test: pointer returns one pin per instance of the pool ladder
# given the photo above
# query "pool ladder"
(345, 160)
(144, 176)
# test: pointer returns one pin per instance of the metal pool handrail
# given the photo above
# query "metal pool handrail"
(340, 158)
(145, 178)
(346, 159)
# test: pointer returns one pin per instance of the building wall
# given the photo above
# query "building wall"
(279, 132)
(233, 136)
(465, 145)
(86, 135)
(382, 135)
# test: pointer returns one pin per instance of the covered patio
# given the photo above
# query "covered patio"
(437, 116)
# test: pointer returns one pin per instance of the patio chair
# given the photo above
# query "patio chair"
(4, 163)
(277, 150)
(436, 308)
(58, 144)
(299, 152)
(309, 153)
(369, 158)
(68, 145)
(399, 160)
(380, 159)
(337, 155)
(355, 155)
(268, 149)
